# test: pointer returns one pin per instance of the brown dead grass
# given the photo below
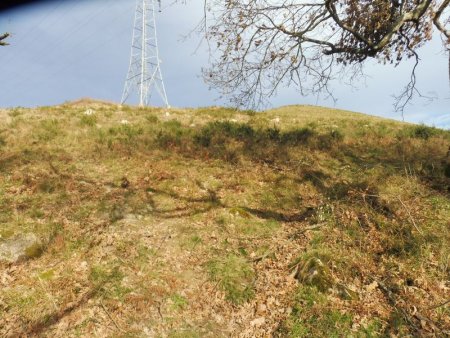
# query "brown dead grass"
(163, 254)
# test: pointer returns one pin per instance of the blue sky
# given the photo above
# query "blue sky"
(64, 50)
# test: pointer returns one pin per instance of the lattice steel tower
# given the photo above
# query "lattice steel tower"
(144, 73)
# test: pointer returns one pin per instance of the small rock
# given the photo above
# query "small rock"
(124, 183)
(131, 217)
(6, 279)
(218, 318)
(315, 273)
(124, 122)
(345, 292)
(258, 321)
(261, 309)
(270, 301)
(20, 247)
(149, 332)
(89, 112)
(372, 286)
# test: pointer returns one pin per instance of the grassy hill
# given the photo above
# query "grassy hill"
(297, 222)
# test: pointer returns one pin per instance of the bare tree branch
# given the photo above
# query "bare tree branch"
(266, 44)
(3, 38)
(436, 20)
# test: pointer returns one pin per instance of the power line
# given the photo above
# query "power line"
(44, 49)
(29, 79)
(68, 65)
(26, 36)
(52, 46)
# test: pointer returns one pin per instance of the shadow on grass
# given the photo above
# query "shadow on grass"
(282, 217)
(424, 159)
(197, 206)
(211, 201)
(37, 328)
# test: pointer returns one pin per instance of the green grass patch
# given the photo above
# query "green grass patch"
(88, 120)
(107, 280)
(178, 302)
(235, 277)
(313, 316)
(48, 130)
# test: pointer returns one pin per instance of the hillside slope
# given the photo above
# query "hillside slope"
(297, 222)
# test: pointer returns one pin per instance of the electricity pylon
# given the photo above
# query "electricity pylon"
(144, 73)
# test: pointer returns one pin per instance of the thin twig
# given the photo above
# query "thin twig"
(392, 299)
(439, 305)
(162, 242)
(110, 317)
(159, 311)
(303, 230)
(410, 216)
(260, 258)
(47, 294)
(295, 266)
(216, 285)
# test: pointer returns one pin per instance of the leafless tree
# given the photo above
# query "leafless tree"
(263, 44)
(3, 38)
